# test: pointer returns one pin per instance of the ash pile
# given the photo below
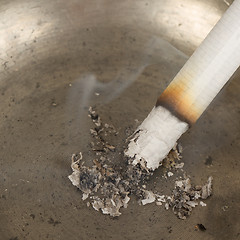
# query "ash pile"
(108, 188)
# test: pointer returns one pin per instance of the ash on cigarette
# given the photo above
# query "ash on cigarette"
(107, 187)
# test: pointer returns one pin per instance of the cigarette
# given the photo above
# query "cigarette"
(189, 93)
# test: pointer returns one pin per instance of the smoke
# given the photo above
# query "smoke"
(87, 89)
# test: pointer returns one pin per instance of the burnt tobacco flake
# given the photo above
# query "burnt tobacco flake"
(108, 188)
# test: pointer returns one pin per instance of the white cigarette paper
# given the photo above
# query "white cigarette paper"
(155, 138)
(190, 92)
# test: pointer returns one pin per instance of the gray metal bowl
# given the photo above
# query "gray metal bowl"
(54, 55)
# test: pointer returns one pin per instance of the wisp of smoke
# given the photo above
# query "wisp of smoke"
(84, 88)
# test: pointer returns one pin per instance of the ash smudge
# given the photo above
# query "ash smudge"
(200, 227)
(108, 187)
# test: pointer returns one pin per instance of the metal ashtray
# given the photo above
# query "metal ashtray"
(60, 57)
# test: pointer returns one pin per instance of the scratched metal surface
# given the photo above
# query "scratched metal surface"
(52, 54)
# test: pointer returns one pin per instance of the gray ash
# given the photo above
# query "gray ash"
(108, 187)
(186, 196)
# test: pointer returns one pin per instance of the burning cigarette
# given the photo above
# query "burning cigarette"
(189, 93)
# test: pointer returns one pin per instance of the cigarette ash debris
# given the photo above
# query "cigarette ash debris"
(200, 227)
(186, 196)
(108, 187)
